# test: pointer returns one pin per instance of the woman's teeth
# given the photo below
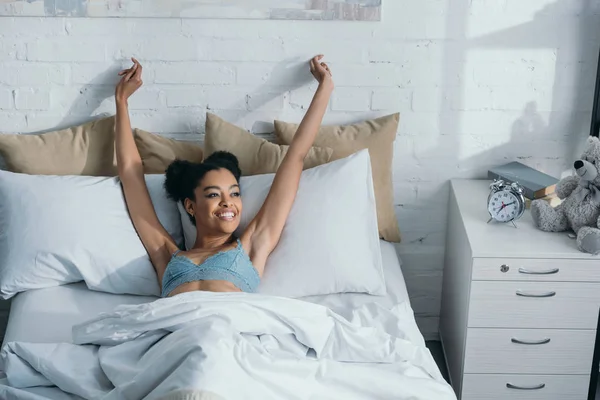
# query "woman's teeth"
(226, 215)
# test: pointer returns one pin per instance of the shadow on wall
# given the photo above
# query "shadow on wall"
(286, 76)
(523, 145)
(575, 50)
(563, 132)
(91, 96)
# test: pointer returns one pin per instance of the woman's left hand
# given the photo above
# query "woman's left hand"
(130, 82)
(321, 71)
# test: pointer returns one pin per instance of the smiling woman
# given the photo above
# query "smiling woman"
(220, 175)
(210, 194)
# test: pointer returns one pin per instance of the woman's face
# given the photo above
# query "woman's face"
(218, 204)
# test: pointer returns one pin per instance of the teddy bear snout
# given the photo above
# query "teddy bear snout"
(586, 170)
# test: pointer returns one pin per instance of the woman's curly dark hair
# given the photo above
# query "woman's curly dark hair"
(183, 177)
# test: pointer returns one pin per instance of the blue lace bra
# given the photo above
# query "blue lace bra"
(232, 265)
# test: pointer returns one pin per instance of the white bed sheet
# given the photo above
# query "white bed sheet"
(47, 315)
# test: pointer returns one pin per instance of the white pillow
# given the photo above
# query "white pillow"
(61, 229)
(330, 242)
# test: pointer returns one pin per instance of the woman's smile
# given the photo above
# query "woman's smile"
(226, 215)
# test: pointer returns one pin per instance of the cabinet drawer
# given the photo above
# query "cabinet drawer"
(529, 351)
(511, 305)
(516, 269)
(555, 387)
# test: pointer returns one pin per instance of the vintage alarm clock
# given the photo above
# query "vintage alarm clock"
(506, 202)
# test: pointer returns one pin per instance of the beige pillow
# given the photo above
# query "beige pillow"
(378, 136)
(158, 152)
(87, 149)
(255, 155)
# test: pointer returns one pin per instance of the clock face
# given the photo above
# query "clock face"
(504, 206)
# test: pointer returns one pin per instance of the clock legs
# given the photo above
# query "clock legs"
(513, 222)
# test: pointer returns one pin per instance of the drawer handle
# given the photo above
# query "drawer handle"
(535, 387)
(523, 294)
(530, 342)
(548, 272)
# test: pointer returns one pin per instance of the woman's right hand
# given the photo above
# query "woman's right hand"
(130, 82)
(321, 71)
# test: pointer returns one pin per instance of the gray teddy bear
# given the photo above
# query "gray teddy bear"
(580, 209)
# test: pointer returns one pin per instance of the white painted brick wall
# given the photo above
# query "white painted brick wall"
(390, 99)
(351, 99)
(478, 82)
(67, 49)
(6, 99)
(32, 99)
(200, 73)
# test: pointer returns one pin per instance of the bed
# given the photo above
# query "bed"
(48, 315)
(332, 319)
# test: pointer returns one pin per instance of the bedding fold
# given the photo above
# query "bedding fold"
(232, 345)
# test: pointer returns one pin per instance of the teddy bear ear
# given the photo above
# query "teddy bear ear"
(593, 146)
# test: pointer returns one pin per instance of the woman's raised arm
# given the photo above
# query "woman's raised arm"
(156, 240)
(264, 231)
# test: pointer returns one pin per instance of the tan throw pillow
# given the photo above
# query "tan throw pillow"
(376, 135)
(255, 155)
(87, 149)
(158, 152)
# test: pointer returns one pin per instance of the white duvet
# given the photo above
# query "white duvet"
(232, 346)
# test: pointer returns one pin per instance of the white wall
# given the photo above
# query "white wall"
(478, 82)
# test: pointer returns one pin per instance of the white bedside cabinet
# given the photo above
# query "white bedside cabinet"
(519, 306)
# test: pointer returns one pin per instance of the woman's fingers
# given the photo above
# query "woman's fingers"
(315, 61)
(134, 74)
(136, 64)
(125, 71)
(138, 71)
(130, 73)
(322, 67)
(316, 66)
(131, 70)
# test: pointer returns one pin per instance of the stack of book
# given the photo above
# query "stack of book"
(536, 185)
